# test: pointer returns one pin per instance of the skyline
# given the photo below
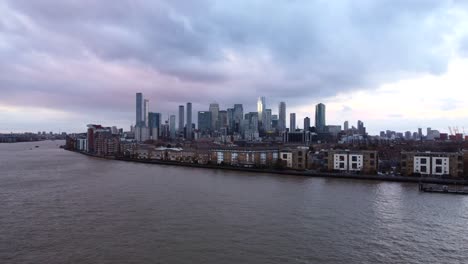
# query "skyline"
(402, 66)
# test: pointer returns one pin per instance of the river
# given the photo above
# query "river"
(62, 207)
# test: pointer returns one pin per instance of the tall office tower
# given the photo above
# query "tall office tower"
(172, 126)
(346, 126)
(154, 123)
(320, 117)
(274, 122)
(181, 119)
(204, 122)
(139, 109)
(361, 128)
(214, 109)
(145, 111)
(419, 133)
(230, 119)
(238, 117)
(306, 124)
(428, 131)
(223, 120)
(267, 121)
(189, 121)
(261, 110)
(292, 122)
(282, 117)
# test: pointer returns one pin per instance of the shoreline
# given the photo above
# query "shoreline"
(289, 172)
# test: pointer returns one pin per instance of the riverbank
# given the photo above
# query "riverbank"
(290, 172)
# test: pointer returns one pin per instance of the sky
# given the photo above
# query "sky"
(394, 64)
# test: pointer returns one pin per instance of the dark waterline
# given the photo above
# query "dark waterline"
(61, 207)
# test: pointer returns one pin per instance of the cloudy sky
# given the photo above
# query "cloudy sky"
(395, 64)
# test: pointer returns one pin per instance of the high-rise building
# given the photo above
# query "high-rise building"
(154, 124)
(261, 110)
(238, 117)
(361, 128)
(320, 122)
(420, 133)
(172, 126)
(189, 121)
(292, 122)
(145, 111)
(204, 122)
(267, 120)
(223, 119)
(346, 126)
(282, 117)
(274, 121)
(139, 110)
(214, 109)
(181, 119)
(306, 124)
(230, 119)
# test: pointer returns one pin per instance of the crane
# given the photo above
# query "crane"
(450, 129)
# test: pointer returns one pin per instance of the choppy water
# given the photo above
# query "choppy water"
(61, 207)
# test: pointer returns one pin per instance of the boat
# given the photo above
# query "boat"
(438, 188)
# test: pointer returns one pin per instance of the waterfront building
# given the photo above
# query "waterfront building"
(245, 157)
(364, 161)
(292, 122)
(432, 164)
(320, 122)
(282, 117)
(189, 122)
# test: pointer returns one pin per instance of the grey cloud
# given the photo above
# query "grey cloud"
(315, 49)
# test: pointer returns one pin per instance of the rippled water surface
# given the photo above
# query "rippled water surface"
(62, 207)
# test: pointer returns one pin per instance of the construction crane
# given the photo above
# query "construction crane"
(450, 129)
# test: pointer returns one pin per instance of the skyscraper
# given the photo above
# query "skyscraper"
(292, 122)
(267, 120)
(320, 117)
(282, 117)
(145, 111)
(172, 126)
(222, 118)
(361, 128)
(238, 117)
(154, 124)
(306, 124)
(181, 119)
(230, 119)
(214, 109)
(346, 126)
(139, 110)
(189, 121)
(204, 122)
(261, 110)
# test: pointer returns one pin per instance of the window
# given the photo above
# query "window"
(299, 160)
(354, 158)
(439, 161)
(438, 170)
(372, 155)
(342, 166)
(372, 163)
(342, 158)
(299, 153)
(423, 161)
(423, 169)
(354, 166)
(285, 156)
(402, 156)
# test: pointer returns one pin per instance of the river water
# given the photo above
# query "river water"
(61, 207)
